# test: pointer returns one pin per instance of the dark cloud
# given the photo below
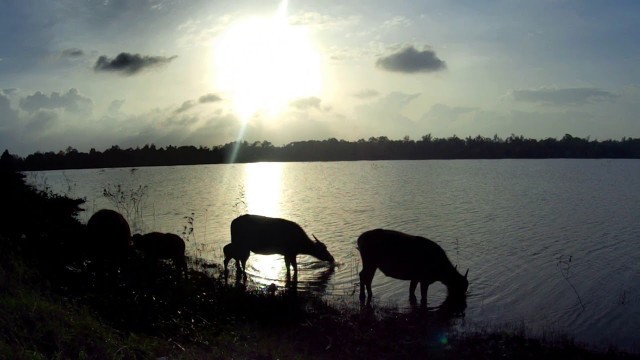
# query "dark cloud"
(566, 96)
(130, 64)
(209, 98)
(204, 99)
(409, 60)
(71, 101)
(306, 103)
(185, 106)
(72, 53)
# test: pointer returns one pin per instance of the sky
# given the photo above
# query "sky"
(92, 74)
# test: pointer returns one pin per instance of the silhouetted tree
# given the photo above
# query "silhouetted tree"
(332, 149)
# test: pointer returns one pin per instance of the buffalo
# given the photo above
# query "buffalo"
(157, 245)
(109, 235)
(407, 257)
(267, 235)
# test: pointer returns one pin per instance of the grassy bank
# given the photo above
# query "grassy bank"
(53, 307)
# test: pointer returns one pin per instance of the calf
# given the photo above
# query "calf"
(230, 252)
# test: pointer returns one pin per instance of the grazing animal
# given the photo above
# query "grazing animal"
(157, 245)
(407, 257)
(109, 235)
(266, 235)
(230, 252)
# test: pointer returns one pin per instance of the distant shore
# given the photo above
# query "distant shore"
(375, 148)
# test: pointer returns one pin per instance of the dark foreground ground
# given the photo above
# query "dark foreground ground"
(52, 306)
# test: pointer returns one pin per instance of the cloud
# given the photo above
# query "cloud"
(444, 120)
(366, 94)
(409, 60)
(72, 53)
(395, 22)
(115, 107)
(185, 106)
(209, 98)
(441, 111)
(71, 102)
(204, 99)
(8, 115)
(323, 21)
(41, 121)
(130, 64)
(306, 103)
(385, 116)
(558, 97)
(201, 32)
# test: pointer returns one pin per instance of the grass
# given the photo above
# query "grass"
(53, 307)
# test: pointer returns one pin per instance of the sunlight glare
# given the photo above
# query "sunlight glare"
(263, 188)
(269, 268)
(264, 63)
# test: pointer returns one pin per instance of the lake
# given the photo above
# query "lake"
(553, 245)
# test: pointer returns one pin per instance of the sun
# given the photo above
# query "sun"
(263, 63)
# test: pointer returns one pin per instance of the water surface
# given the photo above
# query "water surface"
(551, 244)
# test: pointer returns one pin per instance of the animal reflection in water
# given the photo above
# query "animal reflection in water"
(407, 257)
(265, 272)
(267, 236)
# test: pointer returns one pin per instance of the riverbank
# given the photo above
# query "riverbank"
(201, 317)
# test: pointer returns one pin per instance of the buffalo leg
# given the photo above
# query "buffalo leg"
(226, 268)
(424, 286)
(366, 277)
(412, 289)
(287, 263)
(241, 264)
(294, 263)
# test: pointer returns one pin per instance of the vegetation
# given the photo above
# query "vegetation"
(54, 306)
(376, 148)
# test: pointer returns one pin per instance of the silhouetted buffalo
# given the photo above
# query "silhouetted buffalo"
(406, 257)
(109, 235)
(266, 235)
(157, 245)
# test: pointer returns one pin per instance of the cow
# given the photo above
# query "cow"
(267, 235)
(407, 257)
(157, 245)
(109, 235)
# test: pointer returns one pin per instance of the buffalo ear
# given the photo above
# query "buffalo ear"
(467, 273)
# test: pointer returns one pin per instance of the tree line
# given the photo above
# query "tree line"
(375, 148)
